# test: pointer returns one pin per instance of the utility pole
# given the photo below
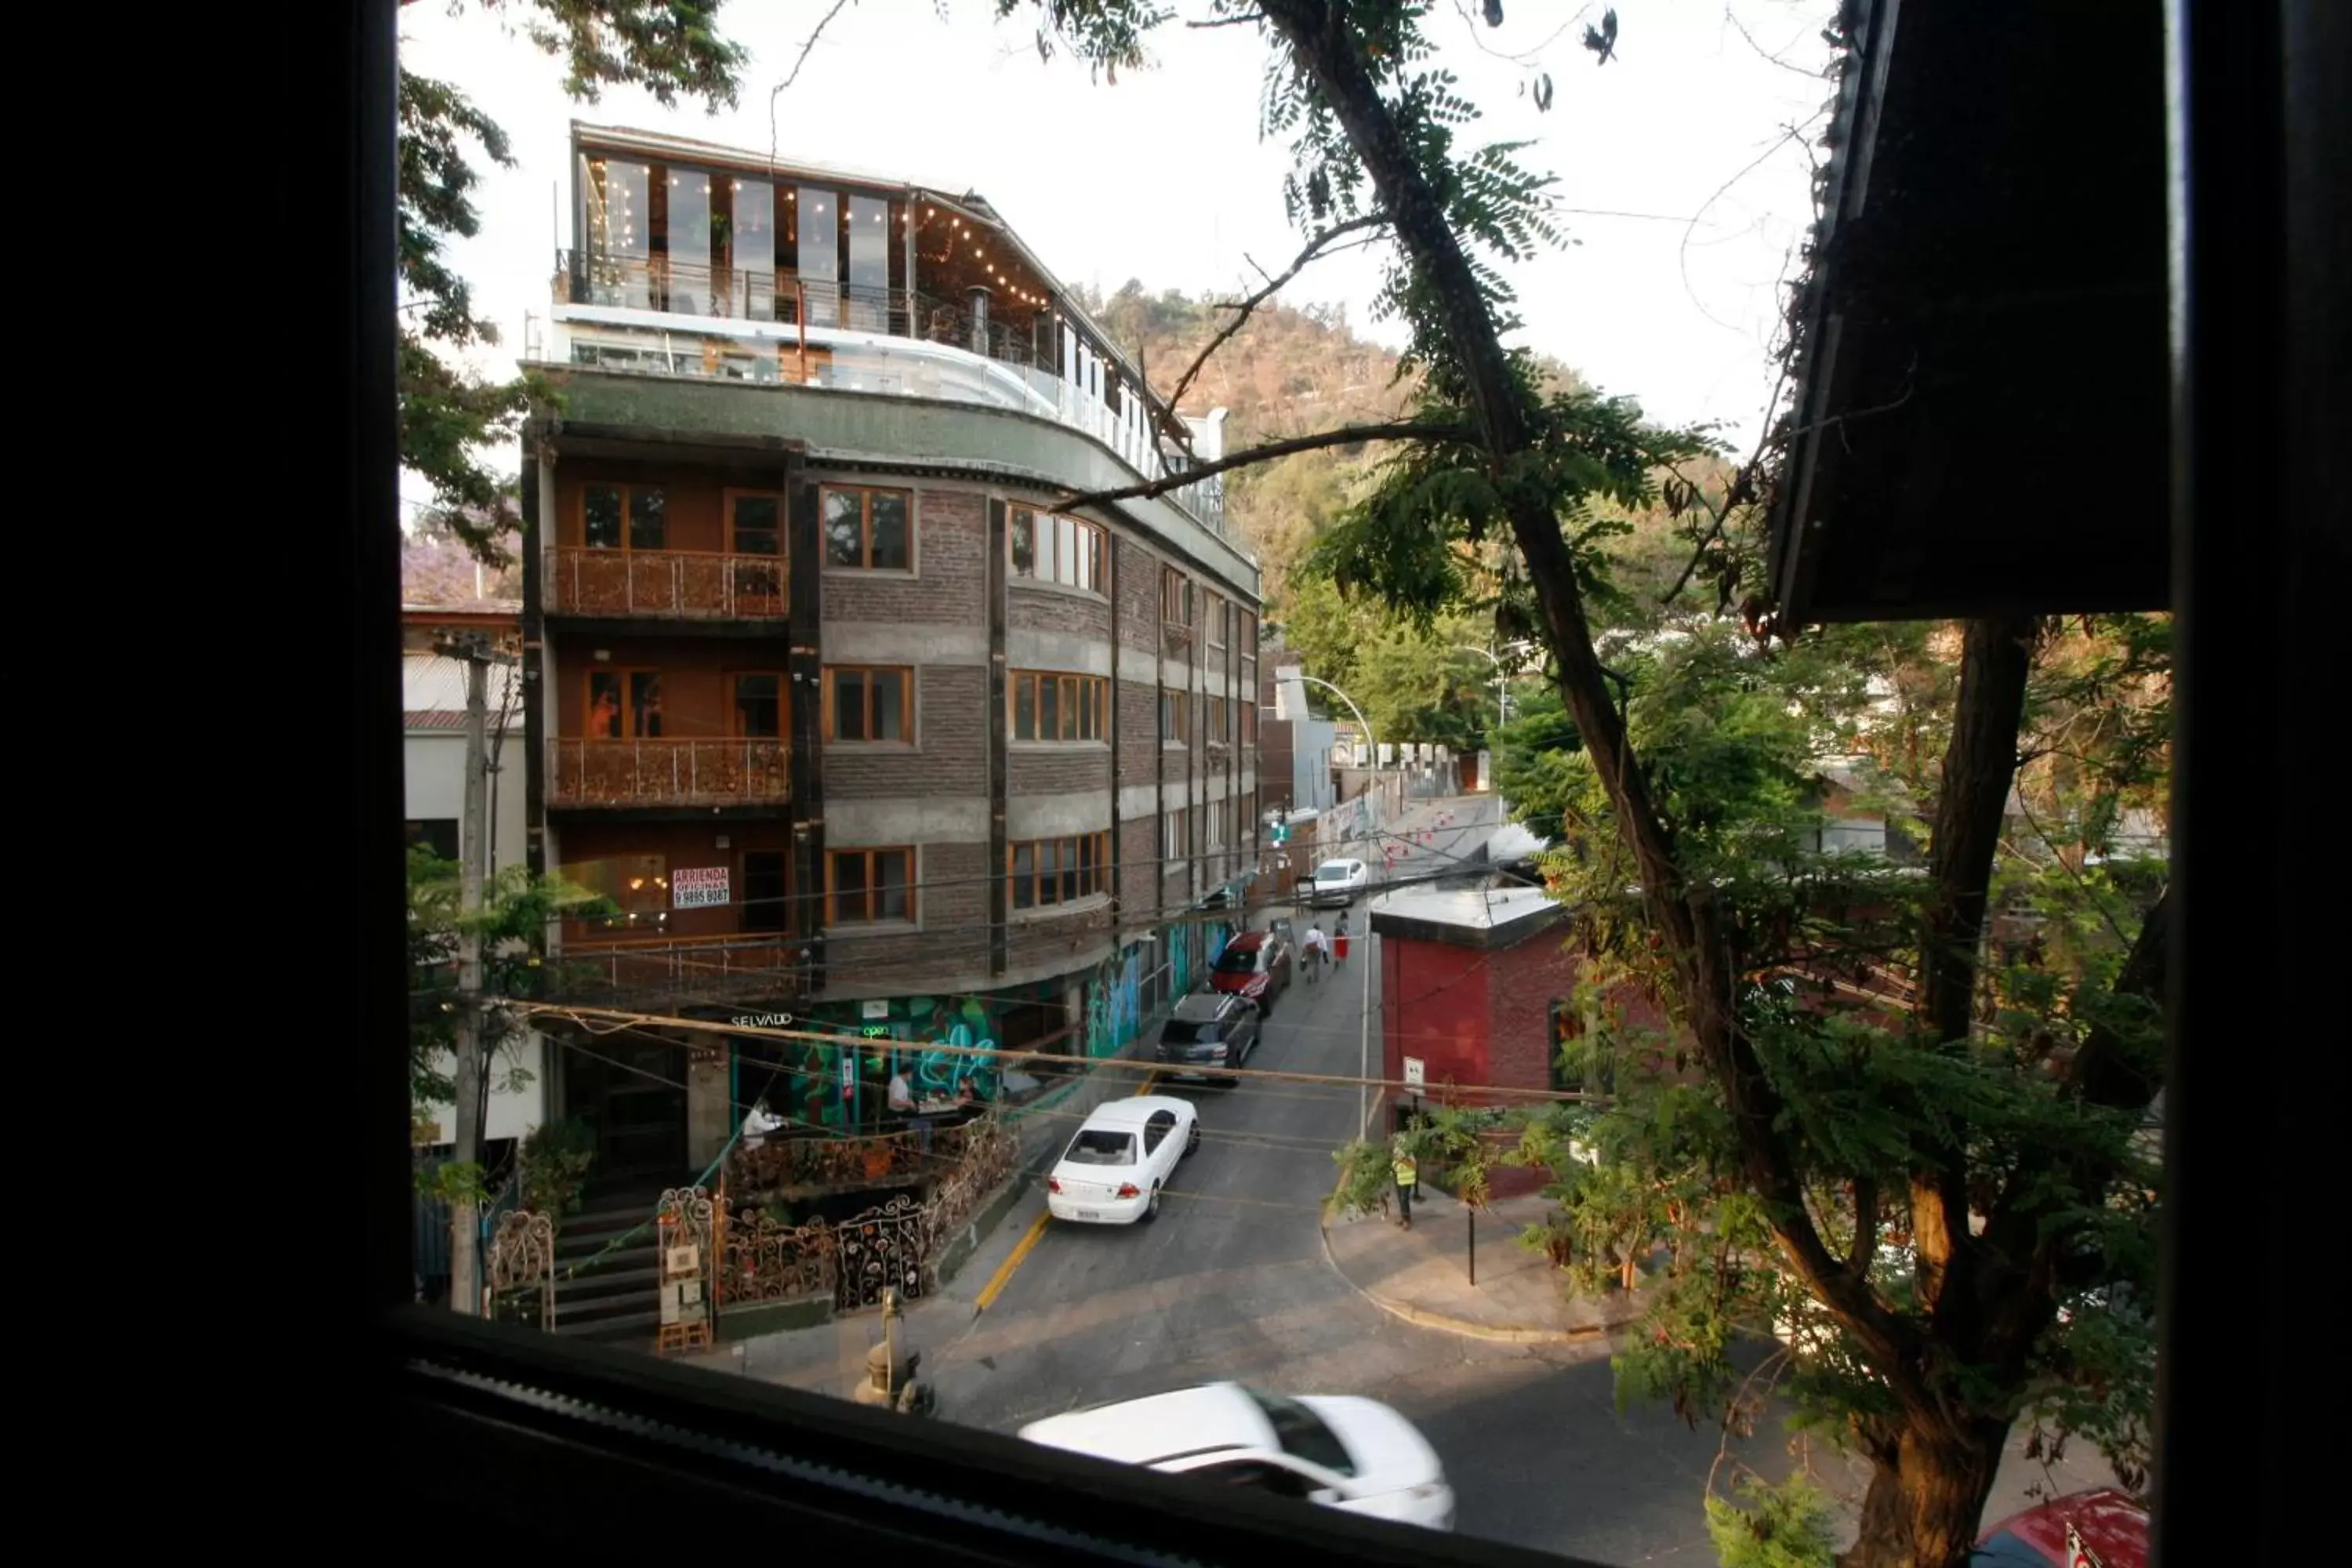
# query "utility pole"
(465, 1218)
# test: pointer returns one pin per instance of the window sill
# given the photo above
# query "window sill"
(874, 928)
(1092, 903)
(1046, 585)
(1174, 746)
(871, 746)
(908, 574)
(1048, 748)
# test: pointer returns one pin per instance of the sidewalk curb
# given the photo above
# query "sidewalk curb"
(1422, 1317)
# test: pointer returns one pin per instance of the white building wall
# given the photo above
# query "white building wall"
(435, 765)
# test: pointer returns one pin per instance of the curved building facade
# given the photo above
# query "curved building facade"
(834, 695)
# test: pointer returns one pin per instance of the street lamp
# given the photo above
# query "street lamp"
(1502, 676)
(1364, 1044)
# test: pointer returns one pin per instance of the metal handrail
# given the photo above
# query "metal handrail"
(723, 584)
(660, 771)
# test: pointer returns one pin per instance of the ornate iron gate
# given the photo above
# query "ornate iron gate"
(881, 1249)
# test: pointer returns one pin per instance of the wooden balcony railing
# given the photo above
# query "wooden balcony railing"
(682, 582)
(667, 773)
(641, 963)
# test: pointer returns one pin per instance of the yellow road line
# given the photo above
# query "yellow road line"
(1004, 1274)
(1028, 1242)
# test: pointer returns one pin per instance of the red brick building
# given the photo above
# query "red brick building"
(1478, 987)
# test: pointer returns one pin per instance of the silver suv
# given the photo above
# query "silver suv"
(1208, 1032)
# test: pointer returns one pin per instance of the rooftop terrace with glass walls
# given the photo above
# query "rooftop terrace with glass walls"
(688, 259)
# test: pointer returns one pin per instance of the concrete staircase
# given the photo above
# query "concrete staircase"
(608, 1266)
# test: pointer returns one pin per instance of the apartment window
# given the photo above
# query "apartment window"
(755, 522)
(637, 887)
(1215, 824)
(623, 704)
(624, 517)
(1176, 604)
(1249, 722)
(765, 906)
(1248, 630)
(760, 705)
(862, 886)
(1048, 707)
(1176, 838)
(1047, 872)
(1217, 720)
(868, 703)
(1174, 709)
(1221, 620)
(866, 528)
(1049, 548)
(438, 834)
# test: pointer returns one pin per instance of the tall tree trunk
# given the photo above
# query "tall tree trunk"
(1927, 1493)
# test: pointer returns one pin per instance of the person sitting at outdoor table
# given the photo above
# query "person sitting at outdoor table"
(759, 1123)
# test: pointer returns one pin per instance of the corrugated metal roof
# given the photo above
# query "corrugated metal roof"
(432, 692)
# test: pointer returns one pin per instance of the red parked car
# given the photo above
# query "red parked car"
(1256, 966)
(2108, 1522)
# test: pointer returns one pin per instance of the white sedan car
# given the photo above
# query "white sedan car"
(1113, 1170)
(1345, 1453)
(1338, 883)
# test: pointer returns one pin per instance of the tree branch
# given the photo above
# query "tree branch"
(1345, 436)
(1244, 307)
(1979, 766)
(1685, 917)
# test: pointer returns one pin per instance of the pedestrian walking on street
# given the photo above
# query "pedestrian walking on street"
(1339, 944)
(1408, 1181)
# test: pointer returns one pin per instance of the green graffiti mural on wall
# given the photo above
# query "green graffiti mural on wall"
(1113, 1013)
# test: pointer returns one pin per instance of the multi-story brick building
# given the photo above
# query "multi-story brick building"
(837, 699)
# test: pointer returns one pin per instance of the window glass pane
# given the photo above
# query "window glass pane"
(895, 899)
(1025, 542)
(758, 521)
(753, 286)
(1024, 708)
(845, 529)
(601, 516)
(759, 709)
(689, 241)
(817, 223)
(891, 553)
(1049, 708)
(1069, 870)
(603, 705)
(646, 704)
(1087, 541)
(869, 264)
(1049, 884)
(849, 886)
(849, 705)
(648, 521)
(889, 704)
(1066, 551)
(1025, 880)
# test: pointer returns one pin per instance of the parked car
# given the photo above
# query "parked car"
(2113, 1526)
(1256, 966)
(1356, 1454)
(1123, 1154)
(1208, 1032)
(1336, 883)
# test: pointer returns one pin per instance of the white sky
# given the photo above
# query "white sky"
(1162, 177)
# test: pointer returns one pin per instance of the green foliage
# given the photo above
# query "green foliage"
(450, 416)
(554, 1166)
(1802, 1225)
(517, 909)
(1790, 1525)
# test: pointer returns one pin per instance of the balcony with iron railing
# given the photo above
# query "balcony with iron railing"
(736, 964)
(677, 583)
(664, 773)
(693, 319)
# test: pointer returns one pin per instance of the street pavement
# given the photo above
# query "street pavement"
(1234, 1281)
